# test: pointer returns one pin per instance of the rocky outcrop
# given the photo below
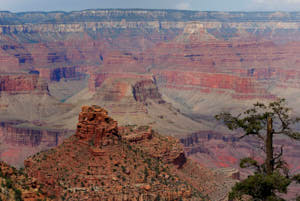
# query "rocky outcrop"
(56, 74)
(170, 151)
(138, 135)
(96, 127)
(141, 165)
(22, 83)
(146, 89)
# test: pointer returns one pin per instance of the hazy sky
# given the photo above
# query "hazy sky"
(220, 5)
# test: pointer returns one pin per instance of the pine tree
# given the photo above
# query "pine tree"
(272, 176)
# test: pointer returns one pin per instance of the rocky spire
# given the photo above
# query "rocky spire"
(96, 127)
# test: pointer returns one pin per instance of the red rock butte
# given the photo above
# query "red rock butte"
(95, 127)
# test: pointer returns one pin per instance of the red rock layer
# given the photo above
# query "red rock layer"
(16, 83)
(139, 46)
(8, 62)
(207, 82)
(192, 47)
(21, 142)
(96, 127)
(96, 79)
(14, 135)
(218, 55)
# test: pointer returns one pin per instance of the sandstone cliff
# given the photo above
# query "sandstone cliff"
(19, 141)
(22, 83)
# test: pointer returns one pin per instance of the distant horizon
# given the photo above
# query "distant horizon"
(19, 6)
(153, 9)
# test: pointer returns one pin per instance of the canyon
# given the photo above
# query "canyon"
(167, 69)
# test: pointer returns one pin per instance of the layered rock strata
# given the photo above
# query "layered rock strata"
(20, 141)
(22, 83)
(96, 127)
(236, 45)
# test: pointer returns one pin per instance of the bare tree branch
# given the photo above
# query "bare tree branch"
(278, 155)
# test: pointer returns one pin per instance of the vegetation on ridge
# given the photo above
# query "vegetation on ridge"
(272, 176)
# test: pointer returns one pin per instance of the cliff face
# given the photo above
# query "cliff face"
(56, 74)
(97, 79)
(241, 87)
(20, 142)
(146, 89)
(22, 83)
(12, 134)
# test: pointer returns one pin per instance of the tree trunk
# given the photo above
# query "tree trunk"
(269, 147)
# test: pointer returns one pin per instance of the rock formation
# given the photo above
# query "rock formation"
(146, 89)
(170, 152)
(96, 127)
(137, 164)
(22, 83)
(56, 74)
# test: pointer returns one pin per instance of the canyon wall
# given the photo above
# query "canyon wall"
(146, 89)
(17, 142)
(97, 79)
(238, 45)
(22, 83)
(243, 87)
